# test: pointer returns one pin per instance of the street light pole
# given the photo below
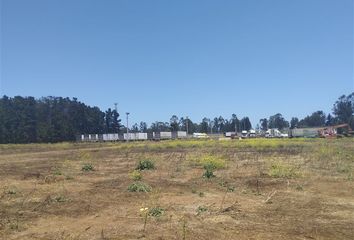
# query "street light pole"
(127, 126)
(116, 108)
(187, 125)
(211, 127)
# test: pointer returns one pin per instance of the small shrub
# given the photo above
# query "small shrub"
(201, 209)
(208, 173)
(201, 194)
(139, 187)
(343, 168)
(136, 175)
(299, 188)
(87, 167)
(57, 171)
(230, 188)
(60, 199)
(156, 212)
(11, 191)
(14, 225)
(223, 183)
(145, 165)
(68, 177)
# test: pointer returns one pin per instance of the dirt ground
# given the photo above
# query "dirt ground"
(265, 189)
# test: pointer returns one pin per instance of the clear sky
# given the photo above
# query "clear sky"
(189, 58)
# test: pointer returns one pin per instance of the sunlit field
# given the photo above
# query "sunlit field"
(181, 189)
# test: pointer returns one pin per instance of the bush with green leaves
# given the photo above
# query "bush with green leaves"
(156, 211)
(139, 187)
(208, 172)
(87, 167)
(60, 199)
(201, 209)
(145, 165)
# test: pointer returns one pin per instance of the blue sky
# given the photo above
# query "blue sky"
(190, 58)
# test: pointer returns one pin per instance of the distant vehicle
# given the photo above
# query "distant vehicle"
(244, 134)
(275, 133)
(304, 132)
(252, 133)
(325, 132)
(230, 134)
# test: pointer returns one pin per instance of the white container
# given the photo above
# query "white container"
(200, 135)
(181, 134)
(165, 135)
(130, 136)
(141, 136)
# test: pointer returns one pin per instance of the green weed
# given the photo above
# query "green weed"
(87, 167)
(145, 165)
(139, 187)
(156, 211)
(201, 209)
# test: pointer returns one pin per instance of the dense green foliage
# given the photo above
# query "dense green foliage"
(51, 119)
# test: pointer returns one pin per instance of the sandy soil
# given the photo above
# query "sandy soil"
(45, 194)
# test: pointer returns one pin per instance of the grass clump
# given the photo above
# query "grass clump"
(145, 165)
(139, 187)
(208, 172)
(60, 199)
(282, 170)
(57, 171)
(135, 175)
(343, 167)
(156, 211)
(11, 191)
(87, 167)
(201, 209)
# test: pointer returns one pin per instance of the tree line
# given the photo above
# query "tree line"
(51, 119)
(55, 119)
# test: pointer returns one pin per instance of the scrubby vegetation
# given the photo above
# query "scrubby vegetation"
(145, 165)
(139, 187)
(87, 167)
(291, 183)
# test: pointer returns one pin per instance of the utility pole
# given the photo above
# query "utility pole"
(127, 126)
(211, 127)
(187, 125)
(116, 109)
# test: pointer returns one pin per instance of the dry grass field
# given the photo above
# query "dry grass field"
(206, 189)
